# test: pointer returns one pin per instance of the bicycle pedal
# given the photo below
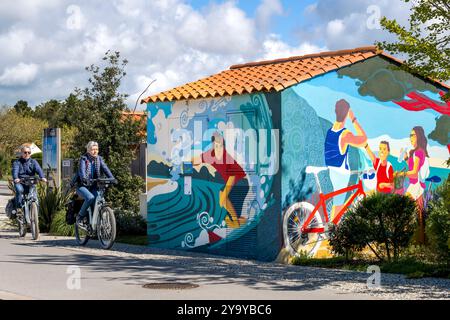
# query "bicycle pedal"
(304, 239)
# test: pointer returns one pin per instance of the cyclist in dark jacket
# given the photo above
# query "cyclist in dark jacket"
(25, 167)
(91, 166)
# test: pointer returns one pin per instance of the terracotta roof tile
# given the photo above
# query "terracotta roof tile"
(269, 75)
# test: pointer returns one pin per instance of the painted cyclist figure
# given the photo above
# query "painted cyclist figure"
(25, 166)
(91, 166)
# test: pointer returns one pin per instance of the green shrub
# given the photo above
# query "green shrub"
(59, 227)
(384, 223)
(130, 223)
(51, 200)
(5, 164)
(438, 223)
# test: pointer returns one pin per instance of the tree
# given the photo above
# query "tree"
(426, 42)
(22, 108)
(97, 115)
(59, 114)
(442, 130)
(382, 222)
(16, 129)
(438, 223)
(4, 164)
(52, 111)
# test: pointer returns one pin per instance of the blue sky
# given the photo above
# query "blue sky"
(47, 43)
(285, 24)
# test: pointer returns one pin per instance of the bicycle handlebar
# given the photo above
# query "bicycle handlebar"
(103, 181)
(30, 180)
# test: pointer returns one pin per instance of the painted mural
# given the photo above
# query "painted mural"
(365, 128)
(211, 168)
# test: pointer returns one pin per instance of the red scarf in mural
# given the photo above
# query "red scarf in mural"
(419, 102)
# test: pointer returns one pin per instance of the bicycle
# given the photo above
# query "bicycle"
(305, 225)
(28, 214)
(429, 194)
(101, 220)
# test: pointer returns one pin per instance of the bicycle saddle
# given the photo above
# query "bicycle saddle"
(434, 179)
(315, 170)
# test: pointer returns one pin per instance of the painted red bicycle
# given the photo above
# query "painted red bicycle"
(306, 225)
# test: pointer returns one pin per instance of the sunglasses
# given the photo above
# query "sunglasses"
(411, 135)
(26, 152)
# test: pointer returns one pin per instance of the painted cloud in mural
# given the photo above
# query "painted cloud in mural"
(384, 81)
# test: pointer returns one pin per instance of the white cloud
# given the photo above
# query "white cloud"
(311, 8)
(224, 29)
(342, 24)
(266, 10)
(14, 42)
(275, 48)
(19, 75)
(25, 9)
(335, 28)
(167, 40)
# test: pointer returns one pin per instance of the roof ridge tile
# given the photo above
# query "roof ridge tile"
(270, 75)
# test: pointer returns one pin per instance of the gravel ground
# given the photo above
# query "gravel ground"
(217, 269)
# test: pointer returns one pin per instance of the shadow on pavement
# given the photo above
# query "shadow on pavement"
(140, 265)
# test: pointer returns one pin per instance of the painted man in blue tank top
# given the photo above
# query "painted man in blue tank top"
(337, 142)
(339, 138)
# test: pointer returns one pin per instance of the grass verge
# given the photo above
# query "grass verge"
(134, 240)
(410, 267)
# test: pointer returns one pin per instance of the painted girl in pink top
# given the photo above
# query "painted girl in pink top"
(416, 160)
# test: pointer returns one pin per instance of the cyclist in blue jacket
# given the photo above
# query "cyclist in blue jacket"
(25, 166)
(91, 166)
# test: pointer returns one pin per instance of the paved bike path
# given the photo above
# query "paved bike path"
(38, 270)
(5, 195)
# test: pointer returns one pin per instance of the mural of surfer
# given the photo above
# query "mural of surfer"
(204, 190)
(236, 184)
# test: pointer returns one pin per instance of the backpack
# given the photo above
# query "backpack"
(76, 181)
(10, 207)
(424, 171)
(72, 209)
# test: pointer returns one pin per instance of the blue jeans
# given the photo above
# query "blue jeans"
(89, 196)
(20, 190)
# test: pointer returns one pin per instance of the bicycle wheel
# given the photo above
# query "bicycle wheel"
(81, 235)
(34, 217)
(295, 240)
(106, 227)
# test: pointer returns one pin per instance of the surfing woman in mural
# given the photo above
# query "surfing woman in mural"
(232, 196)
